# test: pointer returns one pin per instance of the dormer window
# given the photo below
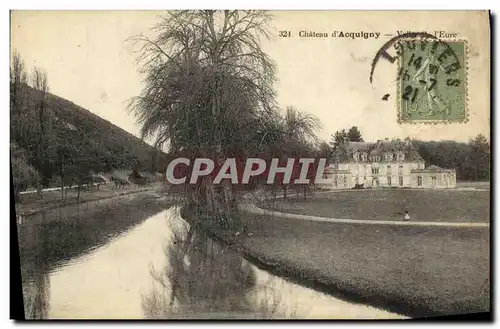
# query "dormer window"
(401, 156)
(356, 157)
(388, 157)
(375, 158)
(364, 157)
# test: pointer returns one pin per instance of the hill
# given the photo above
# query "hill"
(62, 141)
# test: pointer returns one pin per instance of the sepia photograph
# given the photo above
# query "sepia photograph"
(250, 164)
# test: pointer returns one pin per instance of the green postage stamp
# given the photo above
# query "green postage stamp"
(432, 81)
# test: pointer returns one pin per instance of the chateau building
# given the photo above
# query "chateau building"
(386, 163)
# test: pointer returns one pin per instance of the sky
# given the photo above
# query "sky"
(89, 62)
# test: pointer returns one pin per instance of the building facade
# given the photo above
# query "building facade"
(386, 163)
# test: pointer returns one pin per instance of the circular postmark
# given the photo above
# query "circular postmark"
(430, 75)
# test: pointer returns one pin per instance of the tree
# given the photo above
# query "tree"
(299, 134)
(337, 139)
(208, 86)
(324, 151)
(480, 144)
(65, 164)
(23, 174)
(471, 160)
(20, 116)
(300, 126)
(354, 135)
(18, 78)
(40, 83)
(482, 157)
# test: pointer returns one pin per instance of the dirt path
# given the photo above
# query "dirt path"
(31, 207)
(251, 208)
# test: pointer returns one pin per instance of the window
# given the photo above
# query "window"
(356, 157)
(335, 181)
(433, 180)
(345, 180)
(400, 170)
(375, 171)
(419, 180)
(388, 169)
(401, 156)
(375, 158)
(388, 157)
(364, 157)
(400, 180)
(389, 180)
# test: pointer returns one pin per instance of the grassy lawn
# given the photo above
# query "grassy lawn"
(416, 271)
(423, 205)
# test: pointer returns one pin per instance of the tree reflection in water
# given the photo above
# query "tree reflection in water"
(204, 279)
(35, 277)
(36, 294)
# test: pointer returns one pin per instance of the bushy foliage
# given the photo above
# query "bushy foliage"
(471, 160)
(23, 174)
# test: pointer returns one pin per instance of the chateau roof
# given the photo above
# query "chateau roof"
(358, 146)
(346, 150)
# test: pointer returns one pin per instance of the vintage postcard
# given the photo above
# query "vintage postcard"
(237, 164)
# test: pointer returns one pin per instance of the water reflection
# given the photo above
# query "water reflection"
(204, 279)
(50, 240)
(37, 296)
(36, 293)
(161, 269)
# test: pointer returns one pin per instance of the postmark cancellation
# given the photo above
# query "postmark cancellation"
(432, 81)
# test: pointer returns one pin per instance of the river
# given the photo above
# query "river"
(150, 271)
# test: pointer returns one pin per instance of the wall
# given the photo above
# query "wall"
(337, 180)
(443, 180)
(361, 173)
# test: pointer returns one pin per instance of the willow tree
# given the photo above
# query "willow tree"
(300, 135)
(208, 87)
(300, 127)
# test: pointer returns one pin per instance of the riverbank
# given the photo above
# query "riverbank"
(31, 204)
(53, 236)
(414, 271)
